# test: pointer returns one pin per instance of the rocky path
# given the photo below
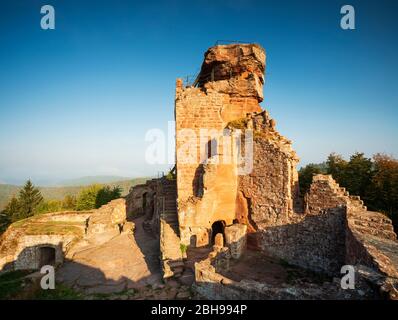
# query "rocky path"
(126, 261)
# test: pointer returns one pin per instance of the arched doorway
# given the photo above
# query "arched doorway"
(217, 227)
(47, 256)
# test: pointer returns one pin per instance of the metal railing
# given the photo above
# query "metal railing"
(218, 42)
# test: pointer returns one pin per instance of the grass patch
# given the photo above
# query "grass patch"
(11, 283)
(52, 229)
(183, 248)
(61, 292)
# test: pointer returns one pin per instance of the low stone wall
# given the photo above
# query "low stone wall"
(314, 242)
(214, 286)
(140, 199)
(235, 239)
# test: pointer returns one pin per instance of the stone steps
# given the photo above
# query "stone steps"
(353, 201)
(373, 223)
(379, 233)
(371, 216)
(172, 263)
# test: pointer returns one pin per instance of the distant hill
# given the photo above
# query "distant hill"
(85, 181)
(58, 193)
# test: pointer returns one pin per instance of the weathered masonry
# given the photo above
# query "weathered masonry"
(209, 204)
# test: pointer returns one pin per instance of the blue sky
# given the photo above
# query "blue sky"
(78, 100)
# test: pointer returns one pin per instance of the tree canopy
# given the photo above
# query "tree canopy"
(374, 180)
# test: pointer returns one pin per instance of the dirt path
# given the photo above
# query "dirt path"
(126, 261)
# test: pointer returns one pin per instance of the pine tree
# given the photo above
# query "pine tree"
(29, 198)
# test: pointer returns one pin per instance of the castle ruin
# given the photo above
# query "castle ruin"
(212, 205)
(231, 209)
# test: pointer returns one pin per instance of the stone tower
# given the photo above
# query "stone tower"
(225, 98)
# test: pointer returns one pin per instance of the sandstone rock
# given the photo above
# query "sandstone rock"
(234, 69)
(183, 295)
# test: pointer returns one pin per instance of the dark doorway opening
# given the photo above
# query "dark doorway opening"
(217, 227)
(47, 256)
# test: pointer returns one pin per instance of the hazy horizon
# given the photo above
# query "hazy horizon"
(77, 101)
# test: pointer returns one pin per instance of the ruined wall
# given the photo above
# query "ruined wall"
(65, 232)
(309, 232)
(228, 87)
(269, 193)
(210, 283)
(313, 239)
(139, 199)
(266, 202)
(27, 255)
(372, 246)
(269, 189)
(314, 242)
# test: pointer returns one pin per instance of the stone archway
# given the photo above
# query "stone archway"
(217, 227)
(47, 256)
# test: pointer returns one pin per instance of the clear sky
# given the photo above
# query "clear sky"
(78, 100)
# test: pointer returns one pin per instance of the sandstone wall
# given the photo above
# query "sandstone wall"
(21, 245)
(139, 199)
(27, 255)
(371, 245)
(228, 87)
(269, 190)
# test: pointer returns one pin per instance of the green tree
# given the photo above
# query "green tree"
(87, 198)
(305, 175)
(96, 195)
(107, 194)
(336, 166)
(10, 211)
(358, 175)
(28, 200)
(69, 203)
(49, 206)
(4, 221)
(383, 194)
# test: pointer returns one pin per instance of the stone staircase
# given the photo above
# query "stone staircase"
(326, 193)
(353, 202)
(172, 262)
(373, 223)
(366, 222)
(169, 206)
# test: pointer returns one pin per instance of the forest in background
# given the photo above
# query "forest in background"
(374, 179)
